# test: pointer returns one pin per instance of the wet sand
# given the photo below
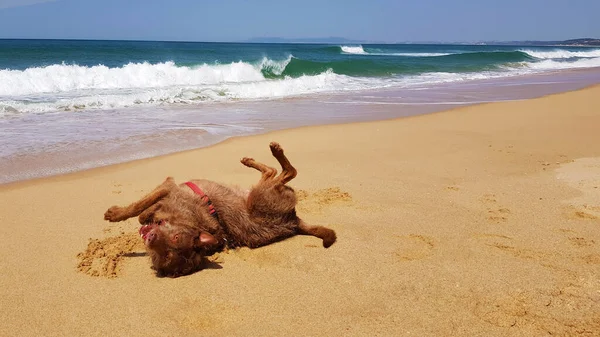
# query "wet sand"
(479, 221)
(57, 143)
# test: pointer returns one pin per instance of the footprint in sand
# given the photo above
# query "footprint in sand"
(414, 247)
(584, 215)
(584, 244)
(581, 212)
(581, 242)
(584, 175)
(489, 199)
(495, 213)
(591, 258)
(508, 150)
(488, 235)
(117, 189)
(507, 245)
(559, 262)
(498, 215)
(539, 310)
(522, 253)
(311, 202)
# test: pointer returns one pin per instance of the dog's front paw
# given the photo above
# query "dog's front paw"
(247, 161)
(114, 214)
(276, 148)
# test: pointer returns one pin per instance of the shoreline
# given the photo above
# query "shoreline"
(480, 220)
(135, 162)
(371, 105)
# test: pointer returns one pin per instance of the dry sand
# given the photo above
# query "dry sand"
(480, 221)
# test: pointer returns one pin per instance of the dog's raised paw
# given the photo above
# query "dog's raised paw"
(275, 148)
(247, 161)
(113, 214)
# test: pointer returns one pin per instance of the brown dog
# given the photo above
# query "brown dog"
(181, 224)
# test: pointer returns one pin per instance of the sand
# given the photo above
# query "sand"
(480, 221)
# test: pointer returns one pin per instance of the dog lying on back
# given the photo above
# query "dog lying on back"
(183, 223)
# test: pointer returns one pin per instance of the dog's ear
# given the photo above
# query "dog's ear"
(206, 240)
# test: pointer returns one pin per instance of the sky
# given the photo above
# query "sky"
(237, 20)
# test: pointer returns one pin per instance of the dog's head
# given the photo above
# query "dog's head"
(176, 250)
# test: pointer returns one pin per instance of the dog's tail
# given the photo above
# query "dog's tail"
(327, 235)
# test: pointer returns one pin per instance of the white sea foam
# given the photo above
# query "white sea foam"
(353, 50)
(253, 87)
(556, 65)
(540, 54)
(561, 54)
(64, 78)
(252, 90)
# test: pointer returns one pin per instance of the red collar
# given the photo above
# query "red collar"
(211, 209)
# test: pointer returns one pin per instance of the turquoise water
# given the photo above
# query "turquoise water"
(53, 75)
(307, 58)
(71, 105)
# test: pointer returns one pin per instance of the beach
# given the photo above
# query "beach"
(477, 221)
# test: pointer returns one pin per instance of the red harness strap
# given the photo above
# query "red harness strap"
(211, 209)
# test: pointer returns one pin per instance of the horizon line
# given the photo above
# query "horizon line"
(301, 40)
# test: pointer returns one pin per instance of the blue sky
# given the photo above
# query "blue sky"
(236, 20)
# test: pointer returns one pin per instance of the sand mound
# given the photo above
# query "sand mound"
(104, 257)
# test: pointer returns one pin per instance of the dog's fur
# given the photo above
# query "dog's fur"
(179, 231)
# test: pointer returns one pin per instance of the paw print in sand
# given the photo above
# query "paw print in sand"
(414, 247)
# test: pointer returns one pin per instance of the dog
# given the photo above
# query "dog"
(181, 224)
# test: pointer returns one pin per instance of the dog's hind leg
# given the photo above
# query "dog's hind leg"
(267, 171)
(116, 213)
(288, 172)
(327, 235)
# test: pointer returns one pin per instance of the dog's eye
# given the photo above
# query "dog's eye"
(176, 237)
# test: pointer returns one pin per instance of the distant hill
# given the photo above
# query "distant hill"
(583, 42)
(327, 40)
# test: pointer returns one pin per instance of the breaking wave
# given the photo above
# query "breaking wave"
(561, 54)
(353, 50)
(64, 87)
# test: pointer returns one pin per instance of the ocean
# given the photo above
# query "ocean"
(67, 105)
